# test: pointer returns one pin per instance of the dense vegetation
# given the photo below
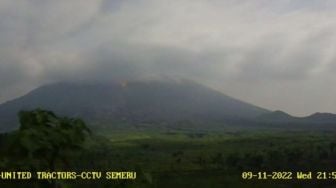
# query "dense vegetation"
(163, 158)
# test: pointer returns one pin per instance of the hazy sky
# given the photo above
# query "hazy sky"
(278, 54)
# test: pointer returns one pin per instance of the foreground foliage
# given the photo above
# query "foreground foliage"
(163, 158)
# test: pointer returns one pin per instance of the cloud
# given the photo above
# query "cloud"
(252, 50)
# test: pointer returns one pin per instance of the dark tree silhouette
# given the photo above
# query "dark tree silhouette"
(44, 141)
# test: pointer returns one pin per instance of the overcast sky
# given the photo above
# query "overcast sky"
(275, 54)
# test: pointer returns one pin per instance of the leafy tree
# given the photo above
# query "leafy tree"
(44, 141)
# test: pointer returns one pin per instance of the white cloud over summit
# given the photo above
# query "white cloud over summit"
(275, 54)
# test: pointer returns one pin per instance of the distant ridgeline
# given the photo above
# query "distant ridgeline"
(111, 104)
(282, 117)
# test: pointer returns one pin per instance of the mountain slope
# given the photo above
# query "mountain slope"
(321, 117)
(282, 117)
(278, 116)
(133, 102)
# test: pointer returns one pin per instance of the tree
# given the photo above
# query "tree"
(45, 140)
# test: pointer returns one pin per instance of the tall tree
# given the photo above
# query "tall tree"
(44, 141)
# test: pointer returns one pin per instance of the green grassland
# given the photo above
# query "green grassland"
(211, 159)
(185, 158)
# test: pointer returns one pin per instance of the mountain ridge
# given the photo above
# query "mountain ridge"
(283, 117)
(135, 101)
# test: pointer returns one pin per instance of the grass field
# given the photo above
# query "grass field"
(214, 159)
(197, 159)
